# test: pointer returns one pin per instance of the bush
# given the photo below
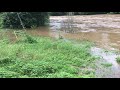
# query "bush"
(5, 60)
(29, 19)
(30, 39)
(118, 59)
(33, 68)
(46, 58)
(38, 68)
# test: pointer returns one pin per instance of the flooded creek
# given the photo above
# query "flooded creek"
(104, 30)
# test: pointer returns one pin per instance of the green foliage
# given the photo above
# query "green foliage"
(29, 39)
(118, 59)
(4, 73)
(5, 60)
(29, 19)
(5, 41)
(36, 68)
(106, 64)
(61, 75)
(47, 58)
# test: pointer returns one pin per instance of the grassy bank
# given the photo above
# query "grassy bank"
(45, 58)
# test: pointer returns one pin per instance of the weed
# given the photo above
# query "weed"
(44, 57)
(106, 64)
(118, 59)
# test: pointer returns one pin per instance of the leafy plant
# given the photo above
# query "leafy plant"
(106, 64)
(30, 39)
(118, 59)
(8, 74)
(48, 58)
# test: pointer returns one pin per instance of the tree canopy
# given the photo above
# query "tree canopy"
(29, 19)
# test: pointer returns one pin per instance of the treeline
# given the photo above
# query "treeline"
(29, 19)
(34, 19)
(81, 13)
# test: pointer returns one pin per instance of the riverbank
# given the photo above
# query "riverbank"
(44, 57)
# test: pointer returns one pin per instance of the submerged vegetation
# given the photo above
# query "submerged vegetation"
(43, 57)
(106, 64)
(118, 59)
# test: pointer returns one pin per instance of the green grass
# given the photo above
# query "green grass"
(45, 58)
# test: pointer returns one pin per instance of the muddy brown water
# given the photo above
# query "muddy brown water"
(104, 30)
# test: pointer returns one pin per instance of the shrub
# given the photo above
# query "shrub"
(118, 59)
(5, 60)
(30, 39)
(106, 64)
(46, 58)
(38, 68)
(29, 19)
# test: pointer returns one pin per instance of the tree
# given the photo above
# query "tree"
(29, 19)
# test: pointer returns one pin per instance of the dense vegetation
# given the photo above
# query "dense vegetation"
(81, 13)
(118, 59)
(45, 57)
(33, 19)
(29, 19)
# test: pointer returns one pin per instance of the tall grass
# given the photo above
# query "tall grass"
(48, 58)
